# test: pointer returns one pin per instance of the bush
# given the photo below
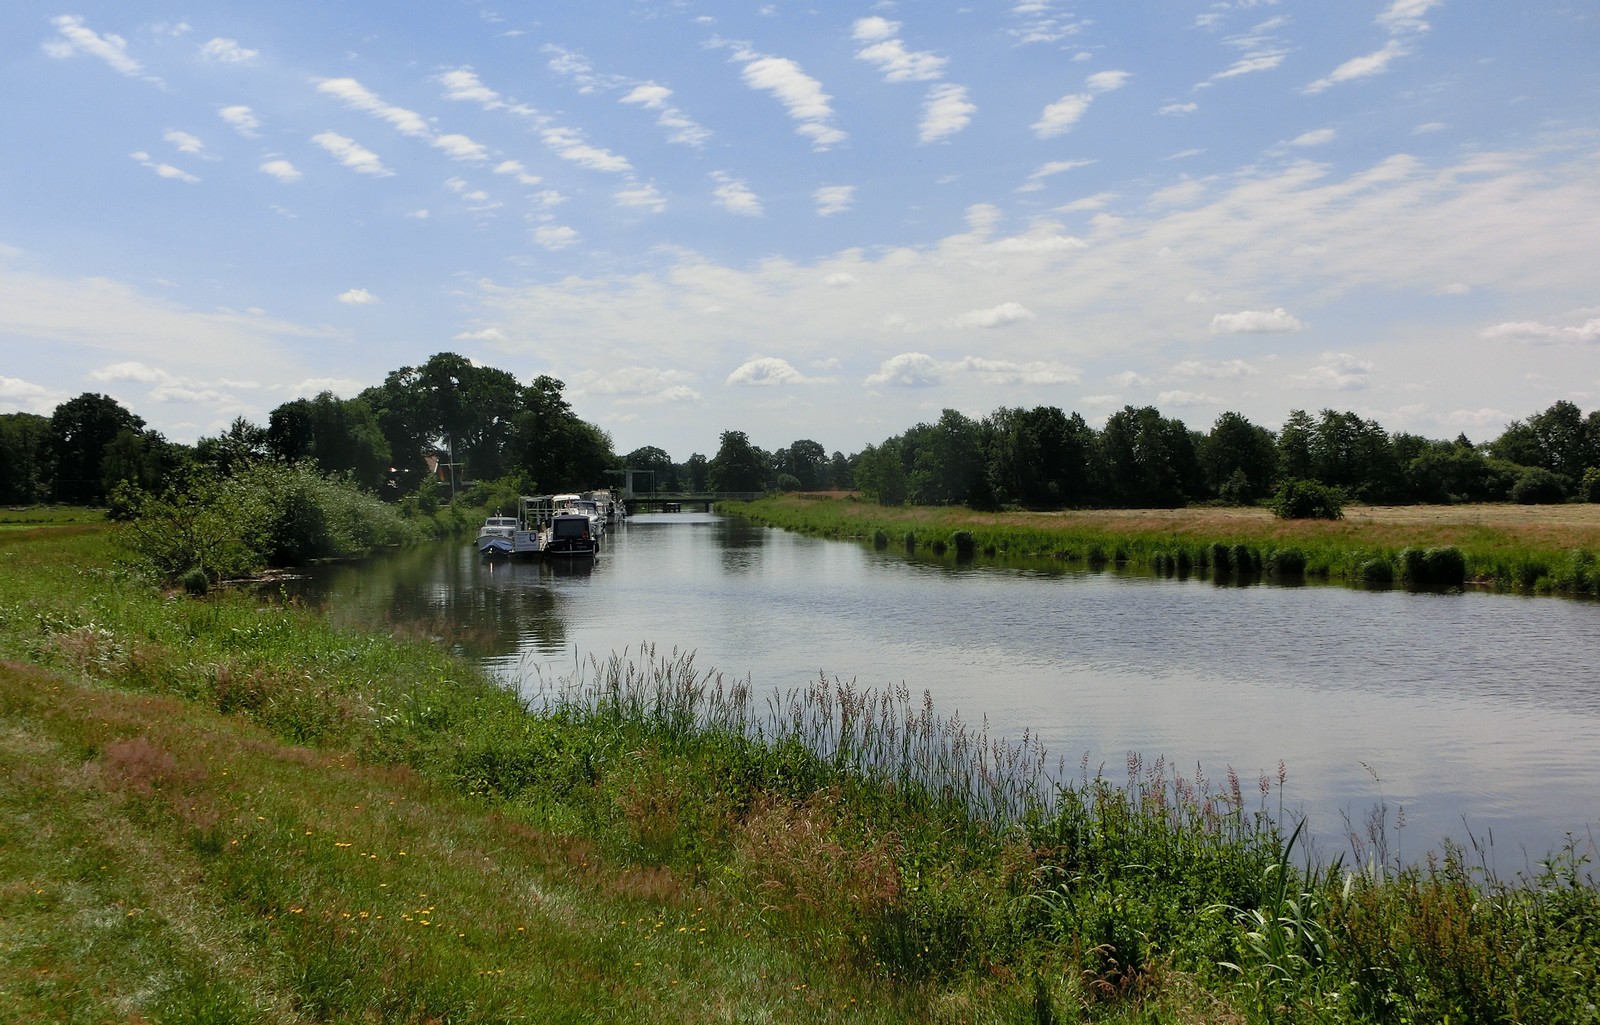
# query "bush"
(1378, 572)
(1589, 489)
(1538, 486)
(965, 545)
(880, 539)
(1307, 500)
(1286, 562)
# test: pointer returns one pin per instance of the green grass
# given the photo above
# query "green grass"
(235, 812)
(1372, 548)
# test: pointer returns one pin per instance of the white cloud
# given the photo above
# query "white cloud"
(734, 196)
(29, 397)
(1360, 67)
(184, 142)
(164, 170)
(1256, 322)
(515, 169)
(1012, 374)
(227, 51)
(637, 384)
(907, 370)
(1180, 398)
(834, 199)
(488, 334)
(1338, 371)
(996, 316)
(242, 118)
(1107, 81)
(1589, 331)
(919, 370)
(1060, 116)
(357, 97)
(357, 297)
(945, 111)
(870, 30)
(766, 371)
(281, 170)
(800, 94)
(1406, 16)
(1178, 108)
(644, 195)
(680, 127)
(459, 147)
(1130, 379)
(78, 38)
(352, 154)
(568, 144)
(555, 237)
(1250, 65)
(898, 64)
(463, 84)
(1217, 371)
(1318, 137)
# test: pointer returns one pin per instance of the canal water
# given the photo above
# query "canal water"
(1474, 717)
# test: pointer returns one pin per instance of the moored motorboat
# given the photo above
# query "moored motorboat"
(570, 535)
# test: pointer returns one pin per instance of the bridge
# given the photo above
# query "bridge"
(684, 501)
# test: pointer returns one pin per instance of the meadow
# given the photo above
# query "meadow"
(1531, 549)
(232, 812)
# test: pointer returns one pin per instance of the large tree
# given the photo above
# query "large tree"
(24, 458)
(339, 435)
(81, 430)
(738, 466)
(1240, 459)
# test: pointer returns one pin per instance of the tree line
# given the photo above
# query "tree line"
(446, 419)
(449, 420)
(1045, 458)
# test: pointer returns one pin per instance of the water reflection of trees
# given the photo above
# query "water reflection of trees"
(742, 545)
(447, 593)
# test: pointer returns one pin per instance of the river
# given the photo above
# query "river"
(1467, 716)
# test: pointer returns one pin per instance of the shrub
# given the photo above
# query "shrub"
(1307, 500)
(911, 541)
(1378, 572)
(1538, 486)
(1590, 487)
(1286, 562)
(880, 539)
(964, 543)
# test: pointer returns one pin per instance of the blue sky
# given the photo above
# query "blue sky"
(825, 221)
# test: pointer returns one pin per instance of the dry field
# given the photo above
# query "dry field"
(1544, 527)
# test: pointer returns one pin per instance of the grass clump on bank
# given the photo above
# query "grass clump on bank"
(243, 814)
(1549, 551)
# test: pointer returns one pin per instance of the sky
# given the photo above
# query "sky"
(825, 221)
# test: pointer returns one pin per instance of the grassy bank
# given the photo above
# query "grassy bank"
(237, 813)
(1536, 549)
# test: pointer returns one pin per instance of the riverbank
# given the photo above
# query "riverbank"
(1534, 549)
(238, 812)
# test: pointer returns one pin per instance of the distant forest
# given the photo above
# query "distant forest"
(450, 421)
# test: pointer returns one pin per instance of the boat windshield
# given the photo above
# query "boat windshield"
(570, 528)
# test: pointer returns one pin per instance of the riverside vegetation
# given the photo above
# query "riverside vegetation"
(1546, 549)
(236, 813)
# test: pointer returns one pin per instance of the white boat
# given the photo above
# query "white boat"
(507, 536)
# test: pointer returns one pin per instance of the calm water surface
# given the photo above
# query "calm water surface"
(1474, 713)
